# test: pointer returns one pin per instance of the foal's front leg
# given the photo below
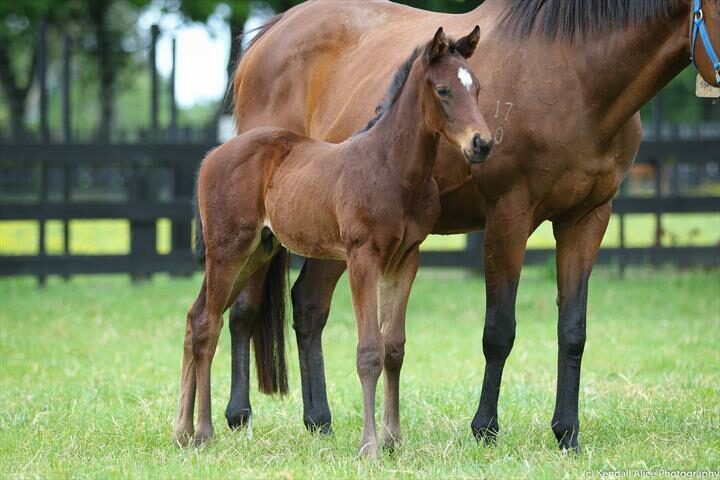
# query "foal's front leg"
(394, 293)
(364, 275)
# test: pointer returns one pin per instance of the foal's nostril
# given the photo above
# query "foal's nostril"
(481, 146)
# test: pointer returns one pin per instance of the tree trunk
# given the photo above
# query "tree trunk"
(106, 68)
(16, 94)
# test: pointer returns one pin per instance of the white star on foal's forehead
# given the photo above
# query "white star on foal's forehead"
(465, 77)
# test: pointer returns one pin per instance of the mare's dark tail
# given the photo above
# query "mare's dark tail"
(199, 240)
(269, 332)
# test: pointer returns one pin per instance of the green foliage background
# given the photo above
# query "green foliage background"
(19, 23)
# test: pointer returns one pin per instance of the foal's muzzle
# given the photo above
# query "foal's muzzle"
(479, 151)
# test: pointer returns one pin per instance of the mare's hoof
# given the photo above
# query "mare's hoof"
(569, 443)
(567, 438)
(486, 431)
(238, 419)
(321, 423)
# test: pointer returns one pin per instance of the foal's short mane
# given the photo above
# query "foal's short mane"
(567, 19)
(397, 83)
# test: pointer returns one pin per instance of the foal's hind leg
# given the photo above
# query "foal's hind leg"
(184, 430)
(223, 266)
(394, 293)
(227, 271)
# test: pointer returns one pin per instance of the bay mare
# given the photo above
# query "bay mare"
(369, 201)
(567, 79)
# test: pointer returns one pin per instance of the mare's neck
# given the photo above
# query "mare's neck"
(621, 71)
(406, 142)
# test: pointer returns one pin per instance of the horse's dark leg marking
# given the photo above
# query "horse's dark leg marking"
(578, 242)
(505, 240)
(311, 297)
(242, 319)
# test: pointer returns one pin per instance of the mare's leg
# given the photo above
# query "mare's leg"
(183, 430)
(578, 241)
(242, 318)
(364, 275)
(311, 297)
(507, 228)
(394, 293)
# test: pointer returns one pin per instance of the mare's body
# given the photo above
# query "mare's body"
(562, 98)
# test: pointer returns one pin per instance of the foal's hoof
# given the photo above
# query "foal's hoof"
(391, 442)
(202, 436)
(238, 419)
(182, 438)
(486, 431)
(369, 450)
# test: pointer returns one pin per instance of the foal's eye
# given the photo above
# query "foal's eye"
(443, 91)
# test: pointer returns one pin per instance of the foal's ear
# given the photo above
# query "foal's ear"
(437, 47)
(466, 45)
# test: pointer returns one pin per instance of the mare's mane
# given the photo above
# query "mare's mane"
(568, 19)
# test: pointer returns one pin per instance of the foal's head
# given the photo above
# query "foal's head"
(450, 95)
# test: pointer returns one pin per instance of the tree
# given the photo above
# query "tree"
(108, 32)
(20, 24)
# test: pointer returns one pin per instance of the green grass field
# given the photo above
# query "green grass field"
(89, 375)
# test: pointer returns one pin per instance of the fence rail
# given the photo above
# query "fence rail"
(143, 200)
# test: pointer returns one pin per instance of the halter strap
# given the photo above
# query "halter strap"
(698, 26)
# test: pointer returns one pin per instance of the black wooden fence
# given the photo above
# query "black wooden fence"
(154, 179)
(157, 181)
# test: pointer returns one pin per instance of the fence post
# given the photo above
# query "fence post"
(66, 222)
(44, 181)
(183, 185)
(658, 194)
(143, 232)
(621, 259)
(67, 137)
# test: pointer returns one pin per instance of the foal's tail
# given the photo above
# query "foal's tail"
(269, 332)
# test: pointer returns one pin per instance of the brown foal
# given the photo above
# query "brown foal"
(370, 201)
